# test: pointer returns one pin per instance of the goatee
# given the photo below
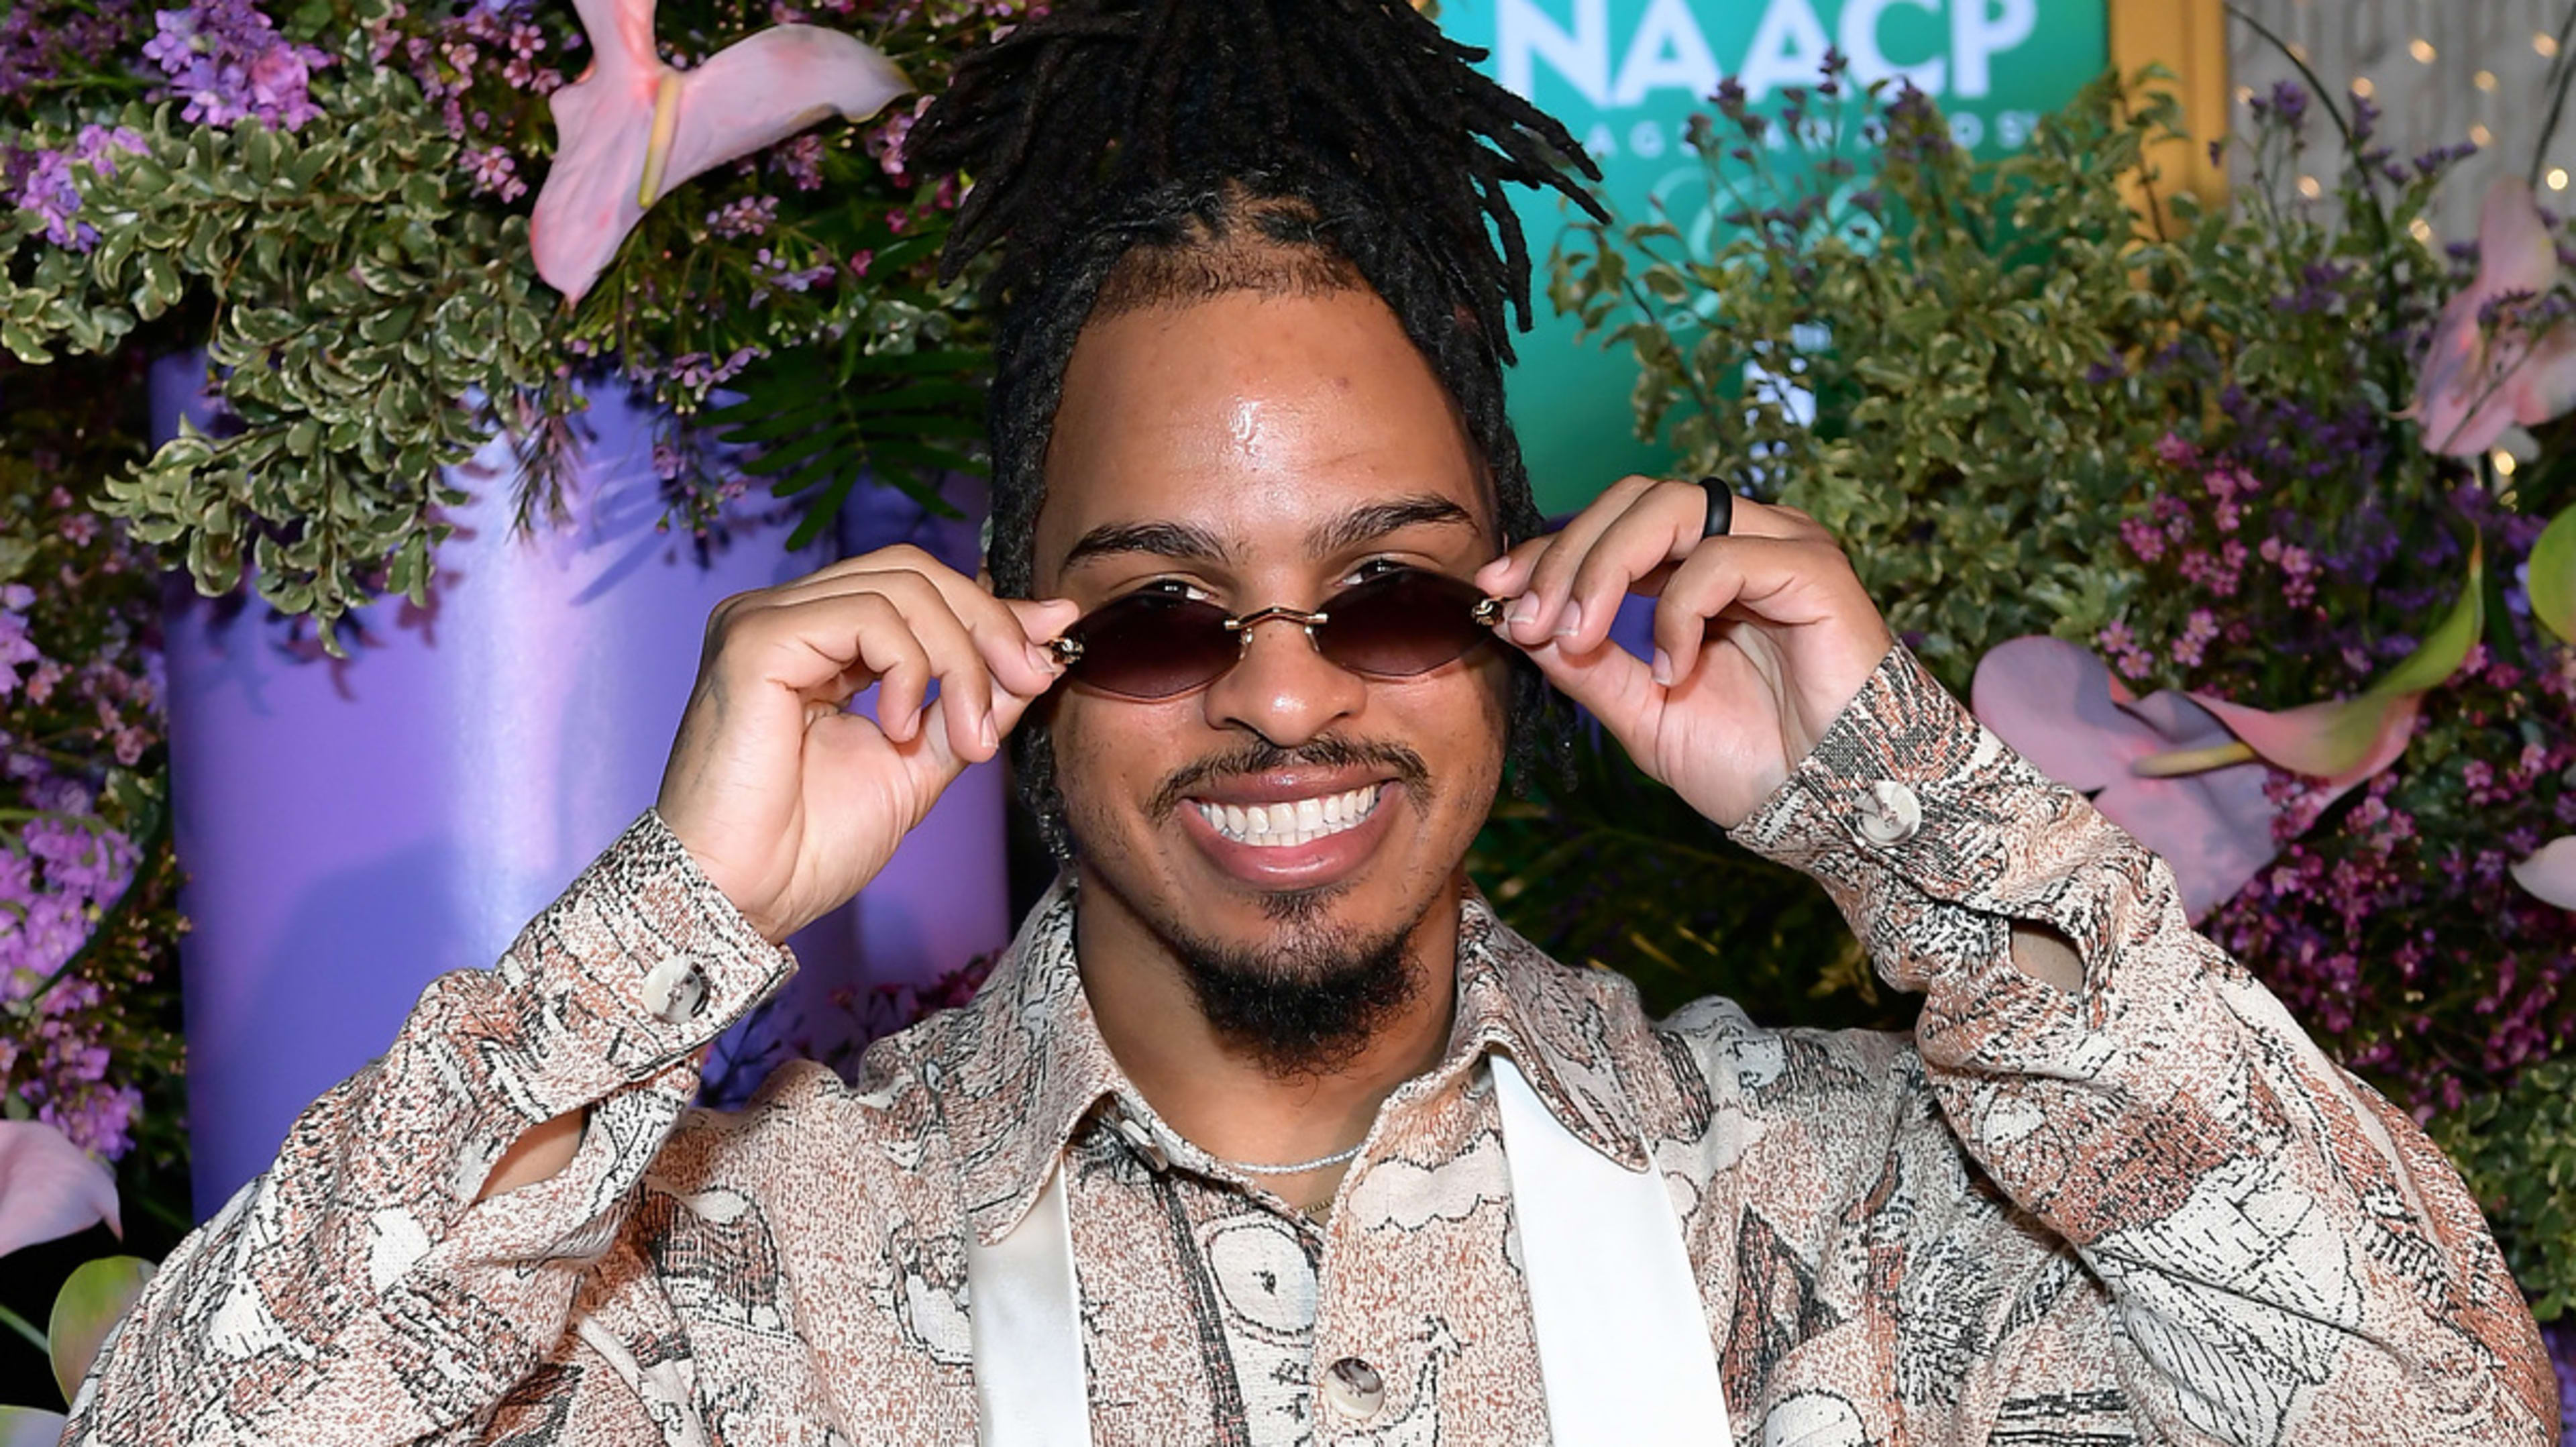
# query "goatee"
(1308, 1003)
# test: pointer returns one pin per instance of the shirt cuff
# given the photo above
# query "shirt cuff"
(1933, 835)
(641, 963)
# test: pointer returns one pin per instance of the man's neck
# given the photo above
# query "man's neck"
(1224, 1096)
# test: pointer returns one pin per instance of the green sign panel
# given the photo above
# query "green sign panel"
(1626, 75)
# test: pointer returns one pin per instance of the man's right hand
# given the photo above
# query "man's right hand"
(788, 802)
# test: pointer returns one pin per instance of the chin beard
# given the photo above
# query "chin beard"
(1305, 1002)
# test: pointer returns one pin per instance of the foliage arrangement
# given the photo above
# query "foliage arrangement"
(88, 886)
(91, 1061)
(333, 201)
(2255, 462)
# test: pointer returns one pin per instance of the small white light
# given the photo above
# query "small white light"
(2362, 87)
(2557, 178)
(2546, 44)
(2421, 230)
(2245, 95)
(2479, 135)
(2503, 461)
(2421, 49)
(2309, 187)
(2484, 80)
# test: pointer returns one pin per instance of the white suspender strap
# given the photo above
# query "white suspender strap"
(1031, 1389)
(1624, 1350)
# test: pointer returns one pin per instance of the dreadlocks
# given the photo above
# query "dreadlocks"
(1135, 153)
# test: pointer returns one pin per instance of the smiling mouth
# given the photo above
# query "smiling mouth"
(1284, 826)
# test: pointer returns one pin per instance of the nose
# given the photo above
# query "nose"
(1283, 688)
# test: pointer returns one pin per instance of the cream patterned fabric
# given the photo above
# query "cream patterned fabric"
(2148, 1212)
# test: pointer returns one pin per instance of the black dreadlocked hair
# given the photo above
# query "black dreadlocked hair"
(1134, 153)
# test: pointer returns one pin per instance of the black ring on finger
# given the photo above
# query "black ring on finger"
(1721, 507)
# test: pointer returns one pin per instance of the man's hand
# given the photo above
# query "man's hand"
(1761, 636)
(789, 803)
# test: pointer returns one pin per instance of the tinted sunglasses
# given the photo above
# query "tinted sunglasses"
(1154, 645)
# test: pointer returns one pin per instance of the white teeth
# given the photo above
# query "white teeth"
(1281, 826)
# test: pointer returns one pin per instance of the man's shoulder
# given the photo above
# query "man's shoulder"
(868, 1133)
(1712, 1046)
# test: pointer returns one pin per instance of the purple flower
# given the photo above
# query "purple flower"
(47, 190)
(2289, 102)
(39, 42)
(800, 160)
(229, 63)
(97, 146)
(495, 173)
(747, 216)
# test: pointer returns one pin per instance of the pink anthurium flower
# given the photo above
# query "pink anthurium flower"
(2550, 874)
(49, 1187)
(2343, 742)
(632, 129)
(2060, 706)
(31, 1427)
(2474, 383)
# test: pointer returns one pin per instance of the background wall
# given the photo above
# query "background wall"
(2444, 72)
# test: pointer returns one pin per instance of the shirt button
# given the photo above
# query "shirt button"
(675, 991)
(1133, 1131)
(1353, 1388)
(1890, 813)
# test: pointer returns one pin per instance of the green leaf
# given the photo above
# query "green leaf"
(820, 470)
(918, 362)
(161, 288)
(819, 515)
(95, 1297)
(788, 454)
(2447, 646)
(916, 397)
(795, 418)
(2552, 576)
(23, 344)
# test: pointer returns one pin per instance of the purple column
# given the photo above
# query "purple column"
(353, 828)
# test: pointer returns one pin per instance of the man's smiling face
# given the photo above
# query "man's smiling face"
(1262, 451)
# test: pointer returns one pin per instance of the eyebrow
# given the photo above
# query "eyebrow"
(1364, 525)
(1184, 543)
(1164, 540)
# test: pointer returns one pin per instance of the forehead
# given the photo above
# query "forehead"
(1253, 417)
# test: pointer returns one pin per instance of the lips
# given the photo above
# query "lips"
(1290, 829)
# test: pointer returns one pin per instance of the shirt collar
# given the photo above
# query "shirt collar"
(1029, 1066)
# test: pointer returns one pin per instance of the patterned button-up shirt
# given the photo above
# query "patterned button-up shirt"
(2149, 1210)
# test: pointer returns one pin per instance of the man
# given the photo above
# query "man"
(1258, 1093)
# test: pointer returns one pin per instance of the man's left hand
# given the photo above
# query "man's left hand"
(1761, 636)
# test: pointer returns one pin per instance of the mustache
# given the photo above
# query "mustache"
(1261, 756)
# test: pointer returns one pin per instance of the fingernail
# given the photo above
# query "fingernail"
(1523, 611)
(1663, 668)
(1572, 622)
(991, 737)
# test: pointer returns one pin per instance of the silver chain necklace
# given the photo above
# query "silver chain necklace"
(1298, 1169)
